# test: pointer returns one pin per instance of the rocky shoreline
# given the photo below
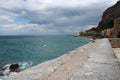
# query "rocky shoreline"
(44, 70)
(73, 65)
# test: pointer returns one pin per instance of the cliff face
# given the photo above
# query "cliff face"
(109, 16)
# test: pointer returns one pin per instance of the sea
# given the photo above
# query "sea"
(27, 50)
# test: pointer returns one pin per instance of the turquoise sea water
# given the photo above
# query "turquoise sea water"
(32, 50)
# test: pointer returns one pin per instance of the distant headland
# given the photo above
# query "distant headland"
(109, 26)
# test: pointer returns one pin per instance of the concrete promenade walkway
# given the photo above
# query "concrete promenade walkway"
(93, 61)
(101, 65)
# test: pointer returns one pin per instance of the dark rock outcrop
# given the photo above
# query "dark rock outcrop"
(109, 16)
(14, 68)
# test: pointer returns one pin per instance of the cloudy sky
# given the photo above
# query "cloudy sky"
(43, 17)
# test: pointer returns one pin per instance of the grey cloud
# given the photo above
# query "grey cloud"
(76, 18)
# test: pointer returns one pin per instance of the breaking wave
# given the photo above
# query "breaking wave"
(5, 71)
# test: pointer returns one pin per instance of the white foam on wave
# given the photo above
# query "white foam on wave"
(1, 77)
(12, 73)
(6, 69)
(25, 65)
(44, 45)
(22, 66)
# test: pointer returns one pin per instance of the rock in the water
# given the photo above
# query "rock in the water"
(14, 67)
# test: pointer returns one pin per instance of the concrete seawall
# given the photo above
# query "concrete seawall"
(93, 61)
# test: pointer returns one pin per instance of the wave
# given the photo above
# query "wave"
(44, 45)
(5, 71)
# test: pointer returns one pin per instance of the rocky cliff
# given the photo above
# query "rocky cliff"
(109, 16)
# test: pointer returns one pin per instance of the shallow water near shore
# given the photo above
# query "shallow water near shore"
(28, 51)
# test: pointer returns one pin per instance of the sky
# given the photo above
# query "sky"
(50, 17)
